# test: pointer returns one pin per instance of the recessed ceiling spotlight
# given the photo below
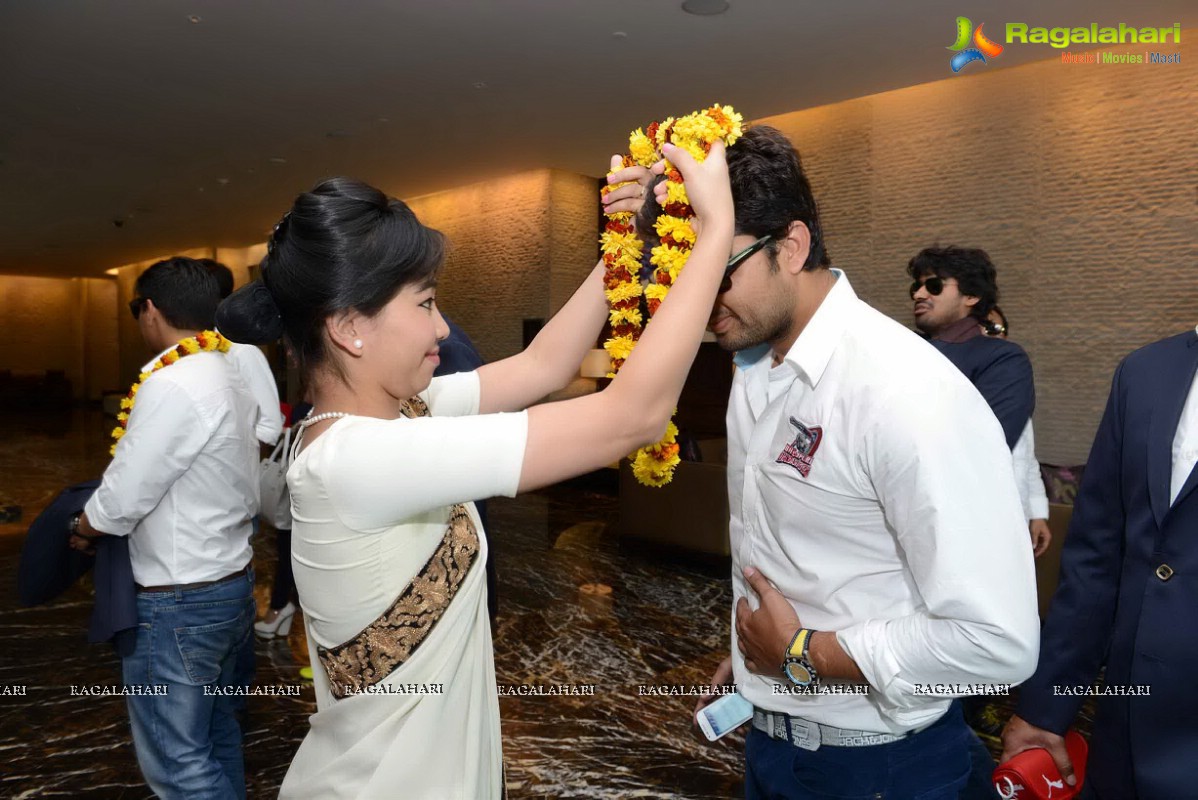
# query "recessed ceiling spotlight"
(619, 35)
(277, 160)
(194, 19)
(384, 119)
(223, 181)
(480, 85)
(705, 8)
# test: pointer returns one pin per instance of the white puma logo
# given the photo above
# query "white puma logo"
(1053, 785)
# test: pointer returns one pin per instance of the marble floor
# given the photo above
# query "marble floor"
(577, 606)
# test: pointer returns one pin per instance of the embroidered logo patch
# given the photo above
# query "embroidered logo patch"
(801, 452)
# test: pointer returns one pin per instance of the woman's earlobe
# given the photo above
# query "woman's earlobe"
(342, 334)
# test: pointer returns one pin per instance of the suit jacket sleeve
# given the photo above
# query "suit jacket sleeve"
(1074, 641)
(1008, 387)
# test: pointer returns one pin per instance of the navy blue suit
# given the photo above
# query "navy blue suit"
(1116, 605)
(1002, 373)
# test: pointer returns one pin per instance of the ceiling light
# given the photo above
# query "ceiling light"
(619, 35)
(705, 8)
(277, 160)
(480, 85)
(113, 272)
(194, 19)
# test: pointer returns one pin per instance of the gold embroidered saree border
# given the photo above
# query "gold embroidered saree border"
(389, 641)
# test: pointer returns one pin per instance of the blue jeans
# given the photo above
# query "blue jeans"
(933, 764)
(188, 742)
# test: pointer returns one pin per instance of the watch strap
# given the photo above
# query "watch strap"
(800, 643)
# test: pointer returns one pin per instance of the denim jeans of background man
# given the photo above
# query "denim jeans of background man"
(188, 742)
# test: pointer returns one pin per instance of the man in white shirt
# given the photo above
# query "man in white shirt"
(253, 369)
(182, 486)
(900, 571)
(1027, 467)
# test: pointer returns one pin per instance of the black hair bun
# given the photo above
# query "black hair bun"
(250, 315)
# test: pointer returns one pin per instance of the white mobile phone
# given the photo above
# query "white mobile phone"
(724, 715)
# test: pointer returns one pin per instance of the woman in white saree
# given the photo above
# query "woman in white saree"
(387, 548)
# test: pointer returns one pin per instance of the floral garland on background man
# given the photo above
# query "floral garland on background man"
(202, 342)
(622, 250)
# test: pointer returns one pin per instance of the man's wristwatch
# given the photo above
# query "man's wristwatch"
(73, 523)
(797, 665)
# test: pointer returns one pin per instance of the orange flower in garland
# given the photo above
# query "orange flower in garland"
(622, 249)
(202, 342)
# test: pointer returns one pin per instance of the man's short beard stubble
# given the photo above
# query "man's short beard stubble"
(925, 326)
(774, 325)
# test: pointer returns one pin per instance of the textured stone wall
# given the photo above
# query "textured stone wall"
(100, 340)
(518, 248)
(66, 324)
(1078, 180)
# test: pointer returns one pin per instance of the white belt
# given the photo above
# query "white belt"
(811, 735)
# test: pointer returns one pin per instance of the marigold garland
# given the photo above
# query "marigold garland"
(622, 249)
(202, 342)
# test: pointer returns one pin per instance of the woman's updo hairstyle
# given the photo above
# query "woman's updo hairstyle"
(344, 245)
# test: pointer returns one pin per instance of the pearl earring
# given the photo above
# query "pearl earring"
(358, 343)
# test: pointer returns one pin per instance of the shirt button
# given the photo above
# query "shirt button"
(1164, 572)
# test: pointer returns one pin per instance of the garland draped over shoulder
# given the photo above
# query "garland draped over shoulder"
(202, 342)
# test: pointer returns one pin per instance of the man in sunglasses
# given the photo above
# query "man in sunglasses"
(182, 486)
(954, 289)
(877, 570)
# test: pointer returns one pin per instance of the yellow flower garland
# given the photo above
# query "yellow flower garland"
(695, 133)
(202, 342)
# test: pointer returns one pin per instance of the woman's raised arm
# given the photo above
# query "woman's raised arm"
(575, 436)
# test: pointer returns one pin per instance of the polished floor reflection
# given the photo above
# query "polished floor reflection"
(577, 608)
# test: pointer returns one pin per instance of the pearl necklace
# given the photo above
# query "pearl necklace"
(312, 420)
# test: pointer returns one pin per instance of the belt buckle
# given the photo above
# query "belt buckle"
(804, 734)
(777, 724)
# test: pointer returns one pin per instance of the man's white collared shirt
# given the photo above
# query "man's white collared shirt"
(1185, 441)
(254, 372)
(1027, 475)
(870, 482)
(183, 485)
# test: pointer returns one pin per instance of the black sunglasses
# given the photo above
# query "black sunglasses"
(735, 262)
(934, 284)
(136, 305)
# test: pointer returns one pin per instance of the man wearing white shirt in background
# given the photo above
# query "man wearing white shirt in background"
(873, 547)
(253, 368)
(1027, 467)
(183, 487)
(253, 372)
